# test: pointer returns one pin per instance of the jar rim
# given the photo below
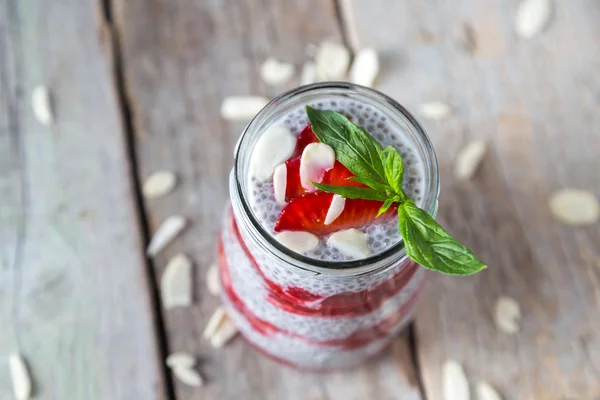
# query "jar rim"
(355, 267)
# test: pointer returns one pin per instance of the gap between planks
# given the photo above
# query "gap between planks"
(109, 37)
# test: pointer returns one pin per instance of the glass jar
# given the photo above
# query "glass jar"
(309, 313)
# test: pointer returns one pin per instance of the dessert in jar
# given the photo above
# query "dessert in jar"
(311, 278)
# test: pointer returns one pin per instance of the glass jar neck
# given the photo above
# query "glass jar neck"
(291, 100)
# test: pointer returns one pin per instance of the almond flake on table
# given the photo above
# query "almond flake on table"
(335, 208)
(159, 184)
(21, 380)
(574, 207)
(181, 360)
(212, 280)
(486, 392)
(365, 67)
(274, 72)
(273, 147)
(350, 242)
(280, 183)
(225, 332)
(332, 60)
(469, 159)
(507, 315)
(215, 320)
(41, 104)
(454, 381)
(176, 282)
(316, 159)
(532, 17)
(188, 376)
(166, 232)
(435, 110)
(242, 108)
(298, 241)
(309, 73)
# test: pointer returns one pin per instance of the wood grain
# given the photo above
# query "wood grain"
(180, 60)
(73, 292)
(536, 102)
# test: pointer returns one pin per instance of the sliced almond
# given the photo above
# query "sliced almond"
(226, 331)
(507, 315)
(335, 208)
(188, 376)
(300, 242)
(273, 147)
(41, 103)
(280, 183)
(332, 61)
(350, 242)
(365, 67)
(159, 184)
(454, 381)
(242, 108)
(575, 207)
(165, 233)
(21, 380)
(486, 392)
(176, 282)
(216, 319)
(532, 17)
(274, 72)
(212, 280)
(309, 73)
(469, 159)
(317, 158)
(181, 360)
(435, 110)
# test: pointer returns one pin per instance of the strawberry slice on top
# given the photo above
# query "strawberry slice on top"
(307, 213)
(306, 137)
(338, 175)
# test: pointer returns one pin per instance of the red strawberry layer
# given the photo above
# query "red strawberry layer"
(359, 338)
(307, 213)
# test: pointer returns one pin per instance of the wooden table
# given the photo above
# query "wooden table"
(137, 87)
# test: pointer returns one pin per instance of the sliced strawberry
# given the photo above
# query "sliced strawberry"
(306, 137)
(293, 186)
(307, 213)
(338, 175)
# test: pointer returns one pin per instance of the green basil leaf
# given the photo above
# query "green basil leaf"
(427, 243)
(354, 147)
(352, 192)
(388, 203)
(393, 168)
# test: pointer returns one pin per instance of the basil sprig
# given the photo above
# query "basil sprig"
(425, 241)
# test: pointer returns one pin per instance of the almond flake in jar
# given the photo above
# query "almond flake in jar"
(381, 237)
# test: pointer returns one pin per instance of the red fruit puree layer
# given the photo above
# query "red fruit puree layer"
(300, 301)
(359, 338)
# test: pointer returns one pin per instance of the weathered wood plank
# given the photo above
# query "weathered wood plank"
(536, 103)
(74, 296)
(177, 74)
